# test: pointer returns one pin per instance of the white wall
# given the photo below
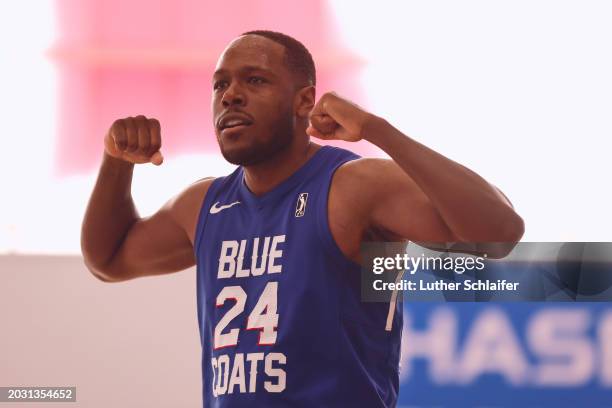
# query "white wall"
(133, 344)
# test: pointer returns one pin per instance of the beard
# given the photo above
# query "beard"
(258, 152)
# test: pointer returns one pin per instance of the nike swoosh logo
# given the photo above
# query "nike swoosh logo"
(218, 208)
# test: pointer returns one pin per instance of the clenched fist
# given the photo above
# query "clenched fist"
(334, 117)
(135, 140)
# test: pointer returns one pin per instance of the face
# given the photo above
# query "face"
(252, 101)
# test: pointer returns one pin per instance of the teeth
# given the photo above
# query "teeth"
(233, 122)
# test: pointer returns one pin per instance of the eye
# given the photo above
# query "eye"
(256, 80)
(219, 84)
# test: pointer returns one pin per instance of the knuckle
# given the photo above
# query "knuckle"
(141, 122)
(120, 138)
(154, 125)
(119, 135)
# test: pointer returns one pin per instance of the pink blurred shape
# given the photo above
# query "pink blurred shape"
(125, 58)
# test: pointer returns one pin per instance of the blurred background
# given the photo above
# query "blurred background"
(519, 91)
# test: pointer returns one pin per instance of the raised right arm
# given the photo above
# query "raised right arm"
(118, 244)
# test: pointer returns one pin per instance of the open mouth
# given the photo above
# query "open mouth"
(235, 126)
(234, 122)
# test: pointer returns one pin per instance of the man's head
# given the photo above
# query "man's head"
(263, 90)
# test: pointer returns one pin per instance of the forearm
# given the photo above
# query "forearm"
(110, 213)
(472, 209)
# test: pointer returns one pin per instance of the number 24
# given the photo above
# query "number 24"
(263, 316)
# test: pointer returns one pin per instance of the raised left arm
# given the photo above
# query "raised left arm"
(468, 206)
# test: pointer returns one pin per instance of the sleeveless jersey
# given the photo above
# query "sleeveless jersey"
(279, 310)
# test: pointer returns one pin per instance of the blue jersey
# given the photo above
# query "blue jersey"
(279, 309)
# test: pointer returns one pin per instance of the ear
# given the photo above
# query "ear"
(304, 101)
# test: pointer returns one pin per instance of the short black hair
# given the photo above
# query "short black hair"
(297, 57)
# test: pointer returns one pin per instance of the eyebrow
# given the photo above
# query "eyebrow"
(246, 68)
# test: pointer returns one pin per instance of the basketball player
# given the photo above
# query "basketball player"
(276, 242)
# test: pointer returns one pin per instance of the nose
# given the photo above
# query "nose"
(233, 95)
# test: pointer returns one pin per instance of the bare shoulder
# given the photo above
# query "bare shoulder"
(353, 189)
(351, 186)
(365, 167)
(185, 206)
(364, 177)
(363, 192)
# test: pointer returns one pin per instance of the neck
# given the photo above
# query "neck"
(263, 177)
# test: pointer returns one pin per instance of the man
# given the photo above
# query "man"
(277, 242)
